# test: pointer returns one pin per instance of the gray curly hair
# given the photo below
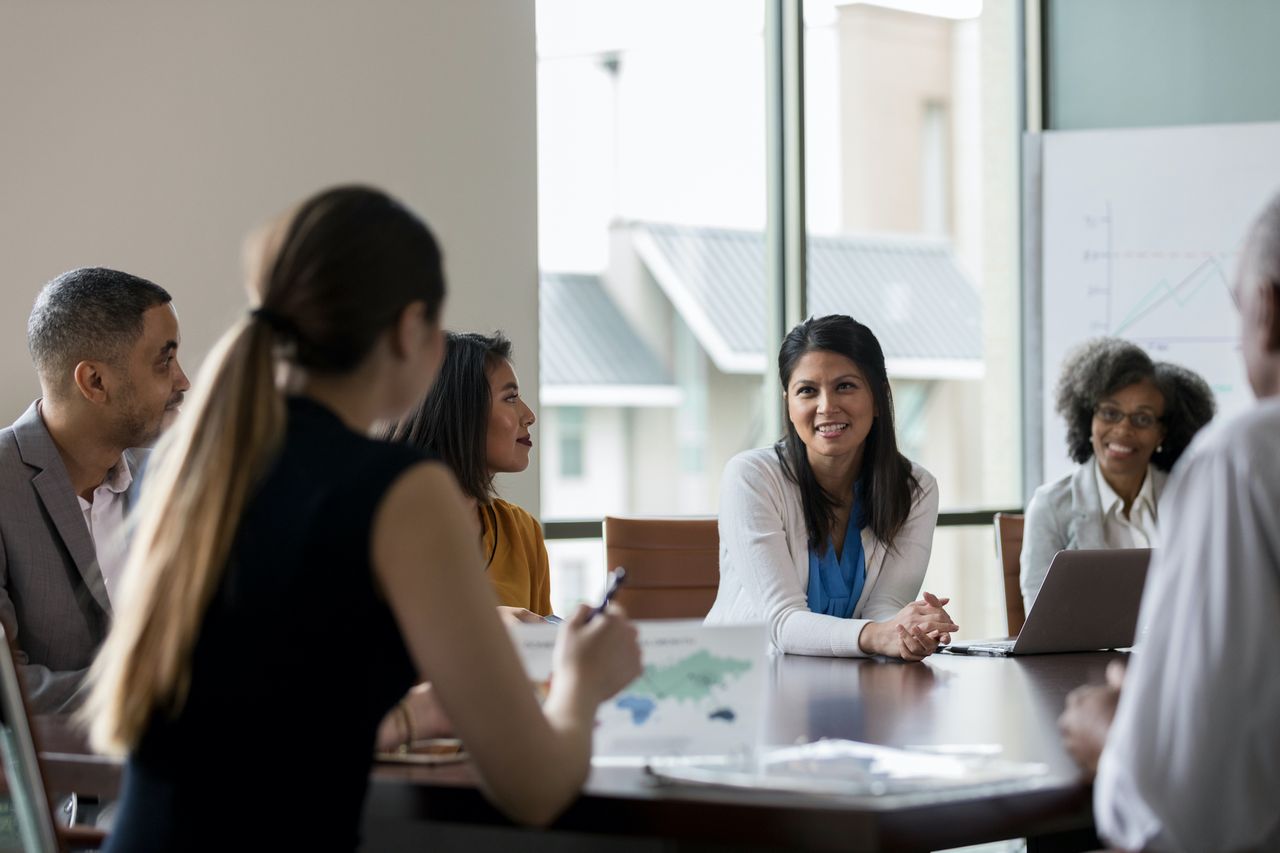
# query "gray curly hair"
(1102, 366)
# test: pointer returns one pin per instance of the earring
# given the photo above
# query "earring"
(1159, 448)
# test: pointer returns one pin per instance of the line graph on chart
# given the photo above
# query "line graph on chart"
(1162, 299)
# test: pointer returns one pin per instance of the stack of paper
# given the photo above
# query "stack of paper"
(880, 776)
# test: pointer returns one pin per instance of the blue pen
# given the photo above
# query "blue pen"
(618, 576)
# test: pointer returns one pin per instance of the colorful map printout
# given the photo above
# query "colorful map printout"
(700, 693)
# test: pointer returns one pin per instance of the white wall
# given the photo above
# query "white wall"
(153, 136)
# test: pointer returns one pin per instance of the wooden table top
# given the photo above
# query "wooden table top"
(947, 700)
(1013, 703)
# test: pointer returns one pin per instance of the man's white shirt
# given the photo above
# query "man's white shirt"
(105, 517)
(1192, 761)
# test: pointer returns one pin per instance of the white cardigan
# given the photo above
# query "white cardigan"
(764, 560)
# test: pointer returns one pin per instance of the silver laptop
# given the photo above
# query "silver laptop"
(1089, 600)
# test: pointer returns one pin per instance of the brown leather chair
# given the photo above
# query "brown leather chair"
(673, 565)
(1008, 528)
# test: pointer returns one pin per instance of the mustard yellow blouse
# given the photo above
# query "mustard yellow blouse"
(519, 571)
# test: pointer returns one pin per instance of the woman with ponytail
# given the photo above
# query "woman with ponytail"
(277, 603)
(825, 537)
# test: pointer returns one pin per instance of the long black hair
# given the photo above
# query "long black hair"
(888, 486)
(453, 419)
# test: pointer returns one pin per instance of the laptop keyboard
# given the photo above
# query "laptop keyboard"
(1007, 645)
(985, 647)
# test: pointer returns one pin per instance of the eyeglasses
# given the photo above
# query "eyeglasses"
(1112, 415)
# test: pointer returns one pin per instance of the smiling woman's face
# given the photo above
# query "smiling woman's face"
(508, 442)
(1122, 449)
(830, 403)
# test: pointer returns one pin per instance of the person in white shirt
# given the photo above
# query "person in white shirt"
(1191, 760)
(825, 536)
(105, 347)
(1128, 420)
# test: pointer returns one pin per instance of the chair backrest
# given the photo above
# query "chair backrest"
(1008, 528)
(673, 565)
(30, 818)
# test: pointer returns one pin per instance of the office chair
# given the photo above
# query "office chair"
(673, 565)
(1008, 527)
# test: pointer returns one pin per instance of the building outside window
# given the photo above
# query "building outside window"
(652, 204)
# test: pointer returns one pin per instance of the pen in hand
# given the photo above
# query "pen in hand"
(616, 578)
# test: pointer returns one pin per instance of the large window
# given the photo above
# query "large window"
(652, 182)
(651, 206)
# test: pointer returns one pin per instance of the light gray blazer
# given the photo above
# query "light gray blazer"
(1065, 515)
(53, 600)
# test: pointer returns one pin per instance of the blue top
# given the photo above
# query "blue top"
(835, 585)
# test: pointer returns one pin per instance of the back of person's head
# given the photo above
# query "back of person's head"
(452, 421)
(887, 483)
(1258, 295)
(1261, 262)
(331, 279)
(87, 314)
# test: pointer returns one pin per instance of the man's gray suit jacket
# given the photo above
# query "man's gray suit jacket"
(53, 600)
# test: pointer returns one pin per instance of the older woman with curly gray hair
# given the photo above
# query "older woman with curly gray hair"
(1128, 420)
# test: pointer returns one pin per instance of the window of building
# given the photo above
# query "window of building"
(571, 425)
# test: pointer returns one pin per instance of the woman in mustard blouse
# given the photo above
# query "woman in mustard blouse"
(476, 422)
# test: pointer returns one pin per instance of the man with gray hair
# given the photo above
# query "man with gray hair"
(105, 346)
(1187, 753)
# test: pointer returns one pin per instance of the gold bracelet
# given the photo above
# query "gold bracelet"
(403, 708)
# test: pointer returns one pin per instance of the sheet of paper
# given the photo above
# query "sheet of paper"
(876, 776)
(701, 692)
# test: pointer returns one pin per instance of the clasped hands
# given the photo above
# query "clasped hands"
(913, 634)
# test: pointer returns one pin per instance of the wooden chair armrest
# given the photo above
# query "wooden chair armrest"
(81, 837)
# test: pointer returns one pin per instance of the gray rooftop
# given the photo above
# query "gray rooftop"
(908, 289)
(585, 340)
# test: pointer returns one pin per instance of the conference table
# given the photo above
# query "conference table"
(952, 701)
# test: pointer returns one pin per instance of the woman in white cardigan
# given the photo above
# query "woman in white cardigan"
(825, 536)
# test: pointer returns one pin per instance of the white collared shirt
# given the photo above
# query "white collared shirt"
(1139, 529)
(1192, 761)
(105, 517)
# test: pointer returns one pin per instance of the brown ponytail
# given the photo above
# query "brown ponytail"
(331, 278)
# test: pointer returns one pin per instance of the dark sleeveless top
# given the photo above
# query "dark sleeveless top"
(297, 661)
